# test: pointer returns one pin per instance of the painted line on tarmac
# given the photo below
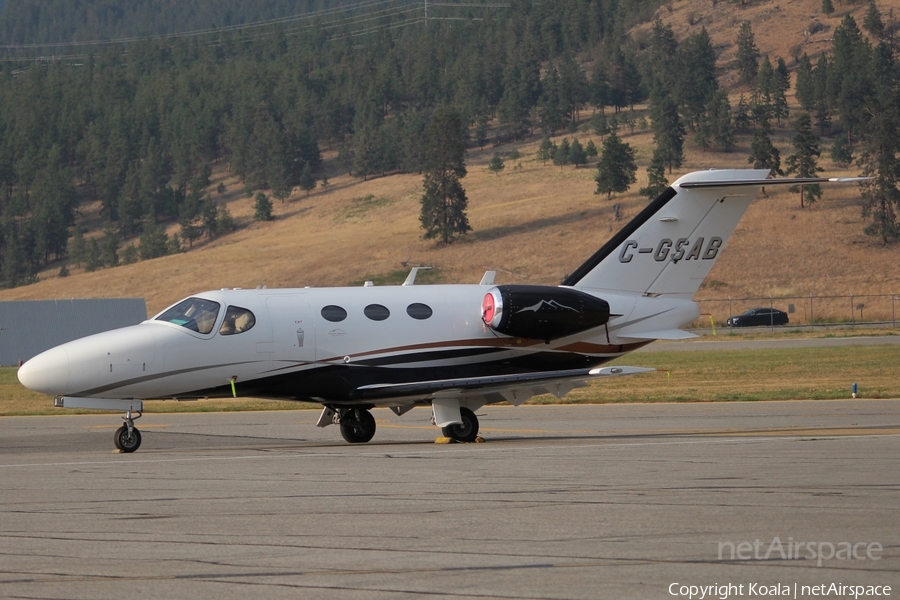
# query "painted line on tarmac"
(456, 449)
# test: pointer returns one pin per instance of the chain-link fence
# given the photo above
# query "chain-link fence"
(808, 310)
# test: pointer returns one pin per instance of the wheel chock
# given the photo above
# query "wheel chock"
(446, 440)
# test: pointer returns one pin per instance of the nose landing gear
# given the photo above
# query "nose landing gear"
(127, 437)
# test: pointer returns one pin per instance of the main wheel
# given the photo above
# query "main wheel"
(358, 426)
(127, 442)
(467, 431)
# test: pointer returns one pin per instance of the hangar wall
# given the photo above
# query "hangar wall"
(28, 327)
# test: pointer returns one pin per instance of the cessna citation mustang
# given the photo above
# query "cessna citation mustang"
(454, 348)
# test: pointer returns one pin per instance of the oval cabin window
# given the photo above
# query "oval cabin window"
(334, 313)
(419, 311)
(377, 312)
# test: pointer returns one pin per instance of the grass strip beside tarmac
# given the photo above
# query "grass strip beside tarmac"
(698, 376)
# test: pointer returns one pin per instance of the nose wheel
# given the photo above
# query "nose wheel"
(127, 437)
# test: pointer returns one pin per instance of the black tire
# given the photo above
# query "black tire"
(126, 442)
(358, 426)
(467, 432)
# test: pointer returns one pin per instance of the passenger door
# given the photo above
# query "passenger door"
(293, 330)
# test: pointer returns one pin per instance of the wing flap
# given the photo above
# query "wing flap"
(515, 388)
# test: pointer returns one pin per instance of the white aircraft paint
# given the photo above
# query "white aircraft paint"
(351, 349)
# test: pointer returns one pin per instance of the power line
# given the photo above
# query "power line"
(302, 24)
(199, 32)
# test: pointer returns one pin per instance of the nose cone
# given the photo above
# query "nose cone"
(47, 373)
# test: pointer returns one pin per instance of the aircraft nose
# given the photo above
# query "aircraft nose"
(47, 373)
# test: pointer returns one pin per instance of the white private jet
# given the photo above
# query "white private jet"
(455, 348)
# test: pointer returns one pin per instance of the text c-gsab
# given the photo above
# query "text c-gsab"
(682, 248)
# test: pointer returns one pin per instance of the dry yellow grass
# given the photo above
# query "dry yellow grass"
(532, 223)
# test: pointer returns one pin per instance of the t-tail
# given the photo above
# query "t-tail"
(670, 246)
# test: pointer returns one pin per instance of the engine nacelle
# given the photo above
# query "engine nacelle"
(542, 312)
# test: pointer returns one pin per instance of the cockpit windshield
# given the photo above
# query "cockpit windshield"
(237, 320)
(196, 314)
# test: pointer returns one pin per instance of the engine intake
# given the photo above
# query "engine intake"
(542, 312)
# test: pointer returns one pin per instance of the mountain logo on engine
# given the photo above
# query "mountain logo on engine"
(551, 305)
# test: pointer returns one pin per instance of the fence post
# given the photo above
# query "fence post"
(852, 313)
(771, 316)
(812, 317)
(893, 319)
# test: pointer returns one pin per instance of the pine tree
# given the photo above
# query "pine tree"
(209, 212)
(696, 82)
(77, 248)
(822, 100)
(764, 155)
(616, 168)
(742, 115)
(109, 247)
(577, 155)
(827, 7)
(849, 79)
(444, 202)
(717, 124)
(496, 164)
(307, 180)
(545, 150)
(803, 160)
(656, 178)
(599, 124)
(93, 260)
(154, 241)
(747, 53)
(481, 128)
(591, 149)
(805, 87)
(872, 21)
(550, 111)
(781, 84)
(842, 151)
(668, 131)
(561, 154)
(880, 151)
(224, 221)
(262, 208)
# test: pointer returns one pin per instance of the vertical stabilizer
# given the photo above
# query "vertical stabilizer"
(670, 246)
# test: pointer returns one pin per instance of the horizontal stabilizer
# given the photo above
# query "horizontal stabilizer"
(668, 334)
(767, 182)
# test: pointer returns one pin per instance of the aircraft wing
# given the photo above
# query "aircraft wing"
(494, 388)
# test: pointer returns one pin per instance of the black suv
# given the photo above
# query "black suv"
(758, 316)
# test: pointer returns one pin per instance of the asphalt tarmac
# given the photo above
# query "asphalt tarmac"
(595, 502)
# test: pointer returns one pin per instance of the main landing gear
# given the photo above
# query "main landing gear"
(466, 431)
(127, 437)
(357, 425)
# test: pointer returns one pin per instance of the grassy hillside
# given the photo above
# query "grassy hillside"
(532, 223)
